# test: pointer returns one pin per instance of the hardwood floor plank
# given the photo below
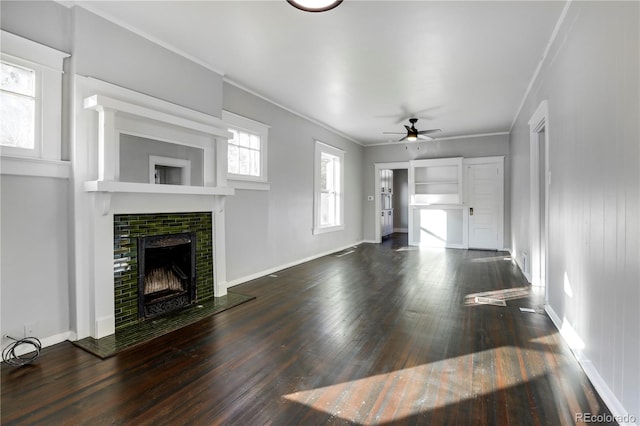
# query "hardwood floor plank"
(386, 335)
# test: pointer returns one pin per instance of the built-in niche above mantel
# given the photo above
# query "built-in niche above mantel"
(144, 150)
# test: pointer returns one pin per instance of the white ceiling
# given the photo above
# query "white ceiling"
(366, 66)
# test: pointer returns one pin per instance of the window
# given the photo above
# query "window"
(329, 189)
(246, 152)
(17, 106)
(30, 98)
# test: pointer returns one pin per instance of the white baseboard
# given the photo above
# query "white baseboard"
(555, 319)
(618, 412)
(525, 273)
(269, 271)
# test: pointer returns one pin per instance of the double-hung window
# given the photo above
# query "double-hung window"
(30, 98)
(246, 152)
(329, 189)
(17, 106)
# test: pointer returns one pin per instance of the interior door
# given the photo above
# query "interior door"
(484, 204)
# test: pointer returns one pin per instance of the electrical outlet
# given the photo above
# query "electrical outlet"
(31, 329)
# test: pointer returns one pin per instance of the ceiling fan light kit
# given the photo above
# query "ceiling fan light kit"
(314, 5)
(414, 134)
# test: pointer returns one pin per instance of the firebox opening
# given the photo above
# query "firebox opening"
(167, 273)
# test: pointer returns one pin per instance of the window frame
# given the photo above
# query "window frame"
(47, 63)
(318, 228)
(239, 123)
(37, 113)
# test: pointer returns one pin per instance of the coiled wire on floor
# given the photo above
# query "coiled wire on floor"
(10, 356)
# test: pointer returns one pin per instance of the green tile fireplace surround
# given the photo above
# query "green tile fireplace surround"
(127, 229)
(130, 329)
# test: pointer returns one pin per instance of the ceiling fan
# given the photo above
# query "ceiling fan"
(413, 133)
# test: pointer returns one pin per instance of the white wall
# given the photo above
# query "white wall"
(482, 146)
(34, 244)
(34, 272)
(103, 50)
(46, 22)
(271, 229)
(591, 82)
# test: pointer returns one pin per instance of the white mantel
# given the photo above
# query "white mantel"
(103, 112)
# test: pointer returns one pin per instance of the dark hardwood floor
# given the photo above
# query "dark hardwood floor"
(387, 334)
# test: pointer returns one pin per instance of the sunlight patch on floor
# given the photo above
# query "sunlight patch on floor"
(479, 300)
(499, 295)
(491, 259)
(412, 248)
(404, 393)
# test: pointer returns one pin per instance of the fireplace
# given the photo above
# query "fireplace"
(165, 245)
(166, 273)
(113, 209)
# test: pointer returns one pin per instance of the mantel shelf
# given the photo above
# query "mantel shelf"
(149, 188)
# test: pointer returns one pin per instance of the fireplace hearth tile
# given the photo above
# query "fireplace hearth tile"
(133, 335)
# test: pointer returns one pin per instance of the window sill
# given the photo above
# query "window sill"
(37, 167)
(249, 184)
(327, 229)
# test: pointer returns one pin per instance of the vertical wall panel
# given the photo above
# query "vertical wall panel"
(590, 80)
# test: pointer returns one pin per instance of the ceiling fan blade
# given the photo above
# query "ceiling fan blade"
(426, 132)
(407, 127)
(393, 133)
(403, 114)
(425, 137)
(400, 140)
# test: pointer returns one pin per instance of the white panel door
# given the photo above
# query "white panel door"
(484, 204)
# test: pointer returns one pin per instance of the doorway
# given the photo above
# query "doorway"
(389, 204)
(484, 189)
(539, 193)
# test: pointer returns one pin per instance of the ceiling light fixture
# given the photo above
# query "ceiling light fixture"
(314, 5)
(412, 132)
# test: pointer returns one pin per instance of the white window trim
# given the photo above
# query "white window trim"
(38, 111)
(321, 147)
(183, 165)
(238, 122)
(47, 63)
